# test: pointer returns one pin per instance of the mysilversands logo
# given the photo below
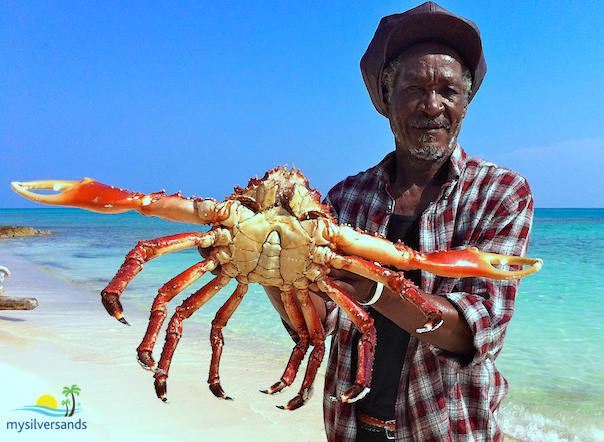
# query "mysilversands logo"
(48, 405)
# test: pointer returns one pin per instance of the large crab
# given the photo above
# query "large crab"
(275, 232)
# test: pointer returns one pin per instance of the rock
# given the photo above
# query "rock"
(12, 303)
(13, 232)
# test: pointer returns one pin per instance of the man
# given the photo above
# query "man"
(422, 69)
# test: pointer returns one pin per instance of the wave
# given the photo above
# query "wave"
(534, 423)
(46, 411)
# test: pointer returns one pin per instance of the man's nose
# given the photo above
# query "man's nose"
(432, 103)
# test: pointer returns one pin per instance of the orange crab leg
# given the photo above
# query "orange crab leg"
(158, 311)
(301, 347)
(174, 330)
(317, 335)
(454, 263)
(396, 282)
(98, 197)
(217, 340)
(366, 345)
(140, 255)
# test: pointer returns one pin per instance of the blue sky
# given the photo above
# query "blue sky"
(200, 96)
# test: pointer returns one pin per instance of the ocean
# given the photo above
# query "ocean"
(553, 357)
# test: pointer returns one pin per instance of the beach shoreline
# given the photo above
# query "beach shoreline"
(69, 339)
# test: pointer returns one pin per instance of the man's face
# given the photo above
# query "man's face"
(427, 103)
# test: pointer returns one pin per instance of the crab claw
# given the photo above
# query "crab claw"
(472, 262)
(86, 194)
(452, 263)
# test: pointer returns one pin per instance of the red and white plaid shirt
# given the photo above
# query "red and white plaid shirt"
(441, 397)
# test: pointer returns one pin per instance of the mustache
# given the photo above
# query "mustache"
(430, 123)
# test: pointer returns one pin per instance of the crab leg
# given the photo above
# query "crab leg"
(454, 263)
(317, 335)
(366, 345)
(301, 347)
(174, 331)
(217, 340)
(396, 282)
(140, 255)
(98, 197)
(158, 311)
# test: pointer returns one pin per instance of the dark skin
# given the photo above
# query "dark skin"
(426, 107)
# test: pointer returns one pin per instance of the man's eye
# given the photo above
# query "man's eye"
(449, 92)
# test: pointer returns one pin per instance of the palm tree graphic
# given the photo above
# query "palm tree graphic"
(66, 402)
(74, 389)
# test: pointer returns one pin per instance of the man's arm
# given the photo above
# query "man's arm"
(453, 335)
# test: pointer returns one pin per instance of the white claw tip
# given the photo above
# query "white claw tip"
(358, 397)
(429, 328)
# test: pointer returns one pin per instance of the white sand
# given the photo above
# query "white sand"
(69, 339)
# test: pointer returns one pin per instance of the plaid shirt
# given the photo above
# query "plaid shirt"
(441, 397)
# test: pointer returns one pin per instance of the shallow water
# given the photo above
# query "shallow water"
(553, 357)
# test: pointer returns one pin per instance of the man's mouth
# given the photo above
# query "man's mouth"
(431, 126)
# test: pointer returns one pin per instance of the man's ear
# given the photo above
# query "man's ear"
(386, 96)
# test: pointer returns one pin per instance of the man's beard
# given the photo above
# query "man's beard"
(427, 150)
(431, 152)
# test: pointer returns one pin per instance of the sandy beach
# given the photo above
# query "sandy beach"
(69, 339)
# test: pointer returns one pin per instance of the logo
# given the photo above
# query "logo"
(48, 405)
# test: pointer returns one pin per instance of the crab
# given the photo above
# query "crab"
(277, 233)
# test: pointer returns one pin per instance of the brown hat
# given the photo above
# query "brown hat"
(427, 22)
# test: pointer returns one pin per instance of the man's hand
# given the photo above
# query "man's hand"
(358, 287)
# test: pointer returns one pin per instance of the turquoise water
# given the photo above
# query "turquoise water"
(554, 352)
(87, 249)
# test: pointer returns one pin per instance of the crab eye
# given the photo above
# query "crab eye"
(313, 214)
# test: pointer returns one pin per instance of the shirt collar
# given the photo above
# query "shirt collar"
(456, 163)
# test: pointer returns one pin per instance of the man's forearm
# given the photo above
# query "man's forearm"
(454, 335)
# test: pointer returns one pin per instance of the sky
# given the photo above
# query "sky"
(200, 96)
